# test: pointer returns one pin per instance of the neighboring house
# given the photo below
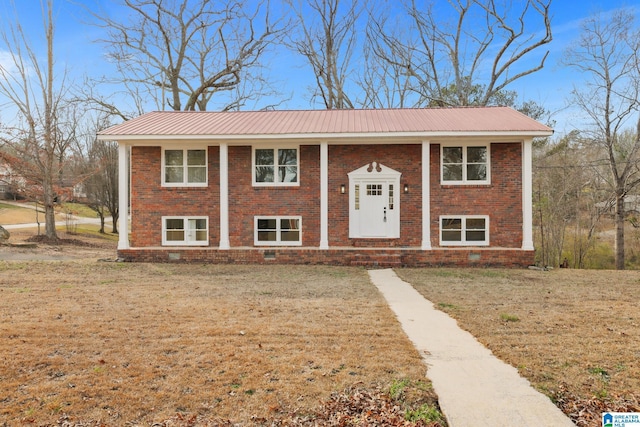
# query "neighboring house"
(5, 179)
(10, 182)
(631, 205)
(79, 191)
(450, 186)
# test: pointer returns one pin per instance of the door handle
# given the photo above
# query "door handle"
(385, 214)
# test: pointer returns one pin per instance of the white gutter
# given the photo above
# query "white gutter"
(327, 136)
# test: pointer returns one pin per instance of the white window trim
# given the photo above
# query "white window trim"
(166, 242)
(463, 242)
(184, 183)
(278, 242)
(464, 181)
(274, 147)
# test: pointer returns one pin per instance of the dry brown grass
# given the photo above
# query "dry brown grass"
(573, 333)
(23, 212)
(10, 214)
(139, 343)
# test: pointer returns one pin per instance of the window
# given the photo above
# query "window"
(278, 231)
(374, 189)
(184, 168)
(275, 166)
(464, 230)
(182, 231)
(465, 164)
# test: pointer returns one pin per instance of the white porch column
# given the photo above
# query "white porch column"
(527, 195)
(123, 196)
(426, 196)
(324, 195)
(224, 196)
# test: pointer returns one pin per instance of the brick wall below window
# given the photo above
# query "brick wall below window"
(501, 200)
(464, 257)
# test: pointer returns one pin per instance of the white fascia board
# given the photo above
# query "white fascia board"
(348, 138)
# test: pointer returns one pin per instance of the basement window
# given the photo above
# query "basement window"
(278, 231)
(464, 230)
(185, 231)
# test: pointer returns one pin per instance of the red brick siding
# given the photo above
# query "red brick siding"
(247, 201)
(501, 200)
(405, 159)
(150, 201)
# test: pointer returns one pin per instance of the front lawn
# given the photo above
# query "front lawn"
(127, 344)
(573, 333)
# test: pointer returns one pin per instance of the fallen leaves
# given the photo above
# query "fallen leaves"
(364, 407)
(356, 406)
(587, 412)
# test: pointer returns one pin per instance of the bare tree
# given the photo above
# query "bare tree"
(109, 102)
(181, 53)
(607, 54)
(384, 83)
(35, 143)
(96, 169)
(567, 192)
(327, 39)
(101, 186)
(475, 58)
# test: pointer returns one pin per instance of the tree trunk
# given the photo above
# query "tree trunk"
(114, 222)
(49, 211)
(50, 222)
(101, 215)
(620, 232)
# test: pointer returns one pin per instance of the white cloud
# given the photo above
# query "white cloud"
(7, 64)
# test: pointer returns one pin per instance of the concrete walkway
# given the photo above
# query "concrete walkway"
(74, 221)
(474, 387)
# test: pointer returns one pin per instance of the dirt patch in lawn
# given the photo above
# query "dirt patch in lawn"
(573, 333)
(119, 344)
(27, 245)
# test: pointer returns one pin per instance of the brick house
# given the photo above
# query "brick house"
(414, 187)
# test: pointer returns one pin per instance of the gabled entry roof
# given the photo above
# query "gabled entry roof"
(418, 122)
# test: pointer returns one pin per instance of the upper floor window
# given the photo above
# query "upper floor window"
(465, 164)
(275, 166)
(184, 167)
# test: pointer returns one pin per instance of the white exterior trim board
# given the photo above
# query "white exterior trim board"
(322, 136)
(123, 195)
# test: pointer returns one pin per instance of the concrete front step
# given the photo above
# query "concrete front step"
(377, 260)
(374, 243)
(384, 264)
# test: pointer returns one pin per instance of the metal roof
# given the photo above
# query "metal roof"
(319, 123)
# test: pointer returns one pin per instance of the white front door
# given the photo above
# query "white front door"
(374, 210)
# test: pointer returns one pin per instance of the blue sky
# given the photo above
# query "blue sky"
(75, 49)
